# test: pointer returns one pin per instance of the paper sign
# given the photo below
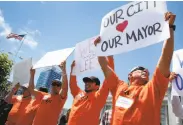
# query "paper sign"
(53, 58)
(132, 26)
(177, 84)
(21, 71)
(85, 56)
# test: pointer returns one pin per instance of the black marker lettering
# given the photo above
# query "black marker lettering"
(112, 18)
(146, 4)
(117, 39)
(157, 29)
(131, 37)
(104, 46)
(150, 30)
(154, 3)
(111, 43)
(119, 14)
(140, 35)
(145, 30)
(130, 14)
(139, 10)
(106, 22)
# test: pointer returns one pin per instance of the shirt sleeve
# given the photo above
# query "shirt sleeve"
(177, 107)
(73, 86)
(111, 62)
(113, 82)
(103, 93)
(14, 99)
(158, 85)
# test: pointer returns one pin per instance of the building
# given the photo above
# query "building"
(46, 77)
(167, 116)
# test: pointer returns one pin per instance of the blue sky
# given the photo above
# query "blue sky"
(57, 25)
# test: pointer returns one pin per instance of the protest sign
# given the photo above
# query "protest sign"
(177, 67)
(85, 56)
(53, 58)
(132, 26)
(21, 71)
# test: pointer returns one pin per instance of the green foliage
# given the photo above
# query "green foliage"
(5, 69)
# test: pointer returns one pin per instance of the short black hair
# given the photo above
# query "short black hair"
(43, 89)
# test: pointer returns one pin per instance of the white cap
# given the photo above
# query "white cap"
(26, 85)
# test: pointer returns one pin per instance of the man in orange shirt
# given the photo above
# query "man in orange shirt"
(19, 103)
(51, 104)
(88, 104)
(140, 103)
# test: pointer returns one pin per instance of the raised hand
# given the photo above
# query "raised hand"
(97, 40)
(170, 17)
(63, 66)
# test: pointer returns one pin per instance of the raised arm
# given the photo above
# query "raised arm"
(31, 80)
(168, 48)
(73, 82)
(64, 89)
(8, 98)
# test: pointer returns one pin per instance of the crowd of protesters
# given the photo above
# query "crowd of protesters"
(136, 103)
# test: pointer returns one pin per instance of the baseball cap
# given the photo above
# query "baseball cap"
(137, 68)
(91, 79)
(26, 85)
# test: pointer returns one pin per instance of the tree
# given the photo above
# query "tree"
(5, 69)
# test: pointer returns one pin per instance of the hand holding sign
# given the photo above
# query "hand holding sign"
(63, 67)
(170, 17)
(172, 76)
(32, 72)
(97, 41)
(73, 68)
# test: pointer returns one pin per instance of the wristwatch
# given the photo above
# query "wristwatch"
(173, 27)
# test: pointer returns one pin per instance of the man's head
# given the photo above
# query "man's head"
(43, 89)
(25, 90)
(56, 86)
(139, 75)
(91, 83)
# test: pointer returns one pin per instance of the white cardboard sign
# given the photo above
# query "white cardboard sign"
(132, 26)
(86, 59)
(177, 84)
(53, 58)
(21, 71)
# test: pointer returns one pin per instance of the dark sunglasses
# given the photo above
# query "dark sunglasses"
(55, 84)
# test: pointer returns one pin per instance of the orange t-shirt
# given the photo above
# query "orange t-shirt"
(18, 105)
(49, 110)
(28, 113)
(138, 105)
(87, 106)
(23, 110)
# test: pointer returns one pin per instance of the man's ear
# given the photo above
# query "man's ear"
(97, 87)
(129, 76)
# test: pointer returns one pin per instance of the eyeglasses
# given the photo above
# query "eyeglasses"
(55, 84)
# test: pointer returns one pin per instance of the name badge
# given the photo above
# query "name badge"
(46, 97)
(124, 102)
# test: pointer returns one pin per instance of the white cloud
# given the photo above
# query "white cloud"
(31, 37)
(5, 29)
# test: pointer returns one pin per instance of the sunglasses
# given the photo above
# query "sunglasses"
(55, 84)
